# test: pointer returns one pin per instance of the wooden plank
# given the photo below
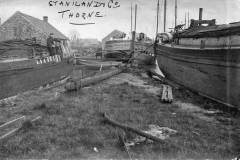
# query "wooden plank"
(164, 93)
(14, 131)
(9, 133)
(12, 121)
(128, 128)
(169, 95)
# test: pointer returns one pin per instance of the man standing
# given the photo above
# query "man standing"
(51, 45)
(59, 48)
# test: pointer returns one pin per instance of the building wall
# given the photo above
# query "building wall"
(108, 37)
(117, 45)
(212, 41)
(17, 27)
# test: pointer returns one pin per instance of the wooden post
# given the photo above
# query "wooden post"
(133, 42)
(133, 37)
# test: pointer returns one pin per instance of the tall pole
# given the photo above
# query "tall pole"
(188, 19)
(155, 42)
(200, 13)
(175, 13)
(185, 20)
(135, 27)
(165, 15)
(133, 36)
(157, 17)
(131, 17)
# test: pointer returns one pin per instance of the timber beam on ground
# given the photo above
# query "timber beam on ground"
(77, 84)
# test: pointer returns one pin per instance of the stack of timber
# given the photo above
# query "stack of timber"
(28, 48)
(167, 94)
(25, 65)
(121, 49)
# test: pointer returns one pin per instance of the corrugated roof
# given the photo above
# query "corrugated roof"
(43, 26)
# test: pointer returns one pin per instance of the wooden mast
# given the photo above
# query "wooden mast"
(134, 31)
(175, 13)
(157, 17)
(155, 42)
(185, 20)
(165, 15)
(135, 25)
(131, 17)
(134, 35)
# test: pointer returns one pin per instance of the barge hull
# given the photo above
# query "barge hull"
(211, 72)
(20, 80)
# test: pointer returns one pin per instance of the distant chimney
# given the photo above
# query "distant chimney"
(45, 18)
(200, 13)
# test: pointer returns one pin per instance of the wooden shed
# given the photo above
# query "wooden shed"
(22, 27)
(115, 34)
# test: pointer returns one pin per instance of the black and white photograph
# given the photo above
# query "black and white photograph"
(119, 80)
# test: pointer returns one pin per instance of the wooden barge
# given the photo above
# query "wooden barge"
(20, 76)
(121, 49)
(25, 61)
(205, 59)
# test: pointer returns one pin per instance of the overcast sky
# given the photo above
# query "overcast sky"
(224, 11)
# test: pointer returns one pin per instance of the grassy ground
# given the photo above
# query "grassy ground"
(72, 126)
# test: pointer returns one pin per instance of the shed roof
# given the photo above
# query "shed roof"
(41, 25)
(115, 33)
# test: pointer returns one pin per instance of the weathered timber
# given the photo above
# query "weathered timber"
(164, 93)
(167, 94)
(77, 84)
(214, 73)
(96, 65)
(21, 49)
(22, 77)
(12, 121)
(131, 129)
(14, 131)
(170, 95)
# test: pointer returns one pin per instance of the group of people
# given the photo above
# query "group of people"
(54, 46)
